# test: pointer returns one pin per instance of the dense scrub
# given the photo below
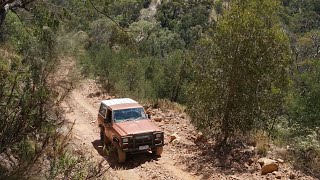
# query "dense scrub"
(235, 74)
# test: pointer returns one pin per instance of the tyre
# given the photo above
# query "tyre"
(102, 136)
(103, 139)
(158, 151)
(121, 155)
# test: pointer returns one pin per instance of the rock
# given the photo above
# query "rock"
(92, 95)
(192, 137)
(149, 110)
(170, 114)
(246, 165)
(107, 97)
(278, 175)
(235, 178)
(182, 116)
(174, 136)
(268, 168)
(199, 137)
(157, 119)
(250, 161)
(251, 148)
(176, 141)
(264, 161)
(268, 165)
(280, 160)
(292, 175)
(63, 130)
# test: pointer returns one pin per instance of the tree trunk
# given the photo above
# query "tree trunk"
(2, 16)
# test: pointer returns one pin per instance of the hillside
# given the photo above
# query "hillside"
(234, 85)
(189, 157)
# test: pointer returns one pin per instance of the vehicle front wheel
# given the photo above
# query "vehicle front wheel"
(158, 151)
(121, 155)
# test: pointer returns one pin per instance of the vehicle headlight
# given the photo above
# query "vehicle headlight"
(125, 140)
(158, 135)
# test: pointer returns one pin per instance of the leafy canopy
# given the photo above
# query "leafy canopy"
(241, 71)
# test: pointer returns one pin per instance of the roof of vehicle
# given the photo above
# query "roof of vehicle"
(121, 103)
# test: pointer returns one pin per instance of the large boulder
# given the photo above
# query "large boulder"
(268, 165)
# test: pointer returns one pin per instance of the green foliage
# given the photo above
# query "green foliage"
(175, 77)
(232, 73)
(24, 90)
(187, 18)
(105, 32)
(75, 15)
(123, 73)
(302, 16)
(240, 84)
(28, 58)
(218, 6)
(126, 11)
(161, 43)
(305, 101)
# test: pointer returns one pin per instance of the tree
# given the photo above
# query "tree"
(305, 99)
(303, 15)
(305, 94)
(161, 43)
(187, 18)
(241, 71)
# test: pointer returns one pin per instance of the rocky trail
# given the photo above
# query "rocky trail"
(82, 111)
(187, 154)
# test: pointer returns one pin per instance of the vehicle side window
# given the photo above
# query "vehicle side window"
(102, 110)
(109, 115)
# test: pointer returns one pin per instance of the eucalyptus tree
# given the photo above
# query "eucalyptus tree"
(240, 72)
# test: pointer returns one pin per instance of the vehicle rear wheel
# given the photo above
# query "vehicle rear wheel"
(158, 151)
(101, 136)
(121, 155)
(103, 139)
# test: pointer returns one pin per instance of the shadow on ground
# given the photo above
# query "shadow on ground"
(228, 160)
(232, 159)
(132, 161)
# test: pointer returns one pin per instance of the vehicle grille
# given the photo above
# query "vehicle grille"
(143, 139)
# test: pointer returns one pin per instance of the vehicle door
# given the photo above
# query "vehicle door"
(108, 123)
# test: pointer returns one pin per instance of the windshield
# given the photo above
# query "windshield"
(128, 114)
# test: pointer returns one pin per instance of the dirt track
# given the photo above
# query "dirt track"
(83, 111)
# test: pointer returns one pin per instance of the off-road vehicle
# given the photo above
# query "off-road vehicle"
(124, 124)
